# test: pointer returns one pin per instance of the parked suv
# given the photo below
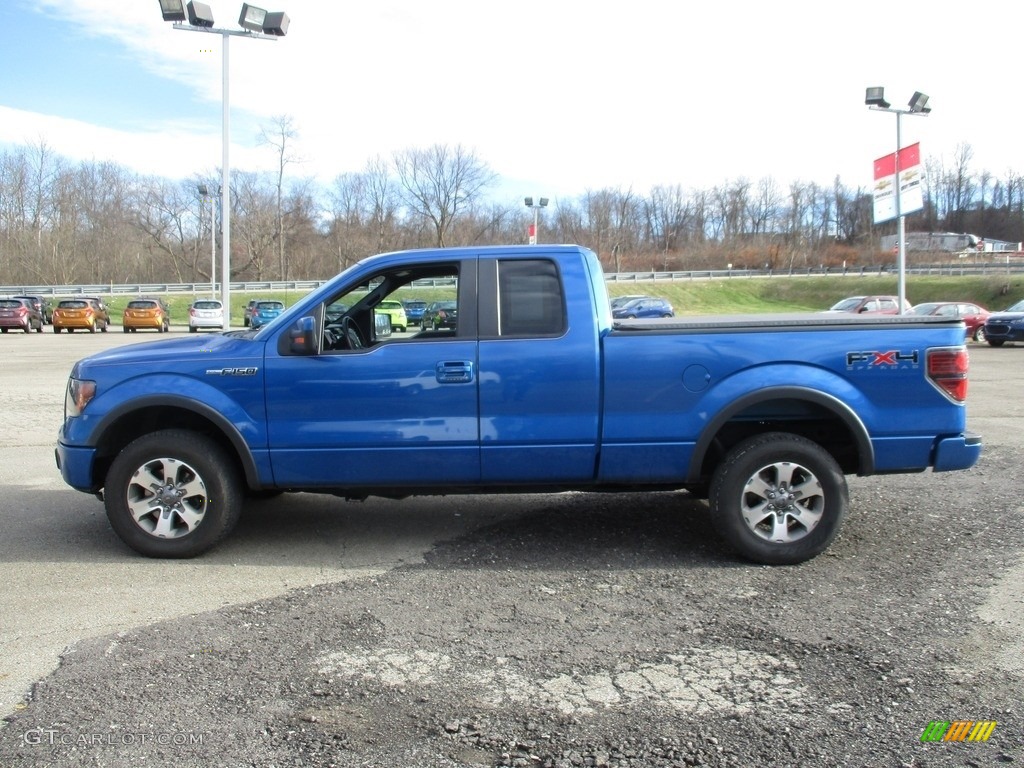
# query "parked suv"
(146, 312)
(42, 305)
(19, 313)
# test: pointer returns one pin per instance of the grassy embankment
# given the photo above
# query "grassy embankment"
(725, 295)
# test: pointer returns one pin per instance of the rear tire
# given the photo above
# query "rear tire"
(778, 498)
(173, 493)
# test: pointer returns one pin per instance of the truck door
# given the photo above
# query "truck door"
(539, 373)
(391, 413)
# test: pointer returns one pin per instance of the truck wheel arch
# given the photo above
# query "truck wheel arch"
(714, 441)
(126, 422)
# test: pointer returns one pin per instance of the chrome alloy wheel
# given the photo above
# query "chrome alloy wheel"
(167, 498)
(782, 502)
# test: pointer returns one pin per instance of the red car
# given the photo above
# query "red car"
(20, 315)
(974, 317)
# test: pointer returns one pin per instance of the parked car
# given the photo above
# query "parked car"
(145, 313)
(101, 308)
(620, 301)
(870, 305)
(396, 312)
(42, 304)
(1005, 326)
(972, 315)
(247, 312)
(264, 312)
(81, 313)
(20, 314)
(644, 307)
(414, 310)
(205, 313)
(440, 314)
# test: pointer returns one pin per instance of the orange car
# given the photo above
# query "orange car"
(79, 313)
(146, 313)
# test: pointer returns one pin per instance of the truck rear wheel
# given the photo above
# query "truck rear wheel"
(173, 493)
(778, 498)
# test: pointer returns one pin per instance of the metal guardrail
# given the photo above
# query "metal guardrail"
(304, 286)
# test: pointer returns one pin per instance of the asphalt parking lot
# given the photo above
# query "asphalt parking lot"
(536, 630)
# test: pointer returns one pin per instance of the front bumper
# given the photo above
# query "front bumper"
(75, 464)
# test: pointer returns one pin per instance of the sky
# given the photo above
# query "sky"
(557, 97)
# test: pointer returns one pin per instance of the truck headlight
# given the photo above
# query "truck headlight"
(80, 392)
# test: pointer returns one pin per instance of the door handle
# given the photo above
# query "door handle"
(454, 371)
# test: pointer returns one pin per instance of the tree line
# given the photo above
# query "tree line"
(97, 222)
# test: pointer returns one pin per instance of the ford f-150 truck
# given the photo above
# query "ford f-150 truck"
(528, 385)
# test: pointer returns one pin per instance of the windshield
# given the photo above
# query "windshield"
(847, 304)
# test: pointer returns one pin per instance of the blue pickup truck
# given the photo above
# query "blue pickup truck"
(534, 388)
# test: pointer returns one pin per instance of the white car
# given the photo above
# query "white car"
(205, 313)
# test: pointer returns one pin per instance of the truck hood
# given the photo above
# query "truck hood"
(173, 354)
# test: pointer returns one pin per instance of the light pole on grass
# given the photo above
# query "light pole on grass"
(204, 192)
(257, 24)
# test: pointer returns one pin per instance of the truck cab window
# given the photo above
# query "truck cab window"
(530, 299)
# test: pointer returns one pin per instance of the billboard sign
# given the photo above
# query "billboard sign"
(908, 161)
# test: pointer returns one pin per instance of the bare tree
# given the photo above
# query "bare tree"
(281, 132)
(438, 182)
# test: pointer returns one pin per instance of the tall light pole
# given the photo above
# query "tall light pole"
(874, 97)
(257, 24)
(204, 191)
(541, 203)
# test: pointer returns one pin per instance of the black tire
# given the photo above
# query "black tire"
(979, 333)
(754, 509)
(995, 342)
(56, 329)
(205, 487)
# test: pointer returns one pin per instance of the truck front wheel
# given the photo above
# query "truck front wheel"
(778, 498)
(173, 493)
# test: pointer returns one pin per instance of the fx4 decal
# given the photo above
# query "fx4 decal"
(883, 360)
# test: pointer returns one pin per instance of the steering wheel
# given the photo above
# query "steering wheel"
(350, 334)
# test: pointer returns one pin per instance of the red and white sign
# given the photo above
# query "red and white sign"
(532, 231)
(908, 162)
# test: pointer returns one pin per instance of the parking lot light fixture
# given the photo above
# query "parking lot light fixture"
(252, 18)
(874, 97)
(173, 10)
(200, 19)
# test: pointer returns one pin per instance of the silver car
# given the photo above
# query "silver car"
(205, 313)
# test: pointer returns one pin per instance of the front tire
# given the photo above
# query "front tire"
(778, 498)
(995, 342)
(173, 494)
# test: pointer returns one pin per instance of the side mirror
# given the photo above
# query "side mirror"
(302, 337)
